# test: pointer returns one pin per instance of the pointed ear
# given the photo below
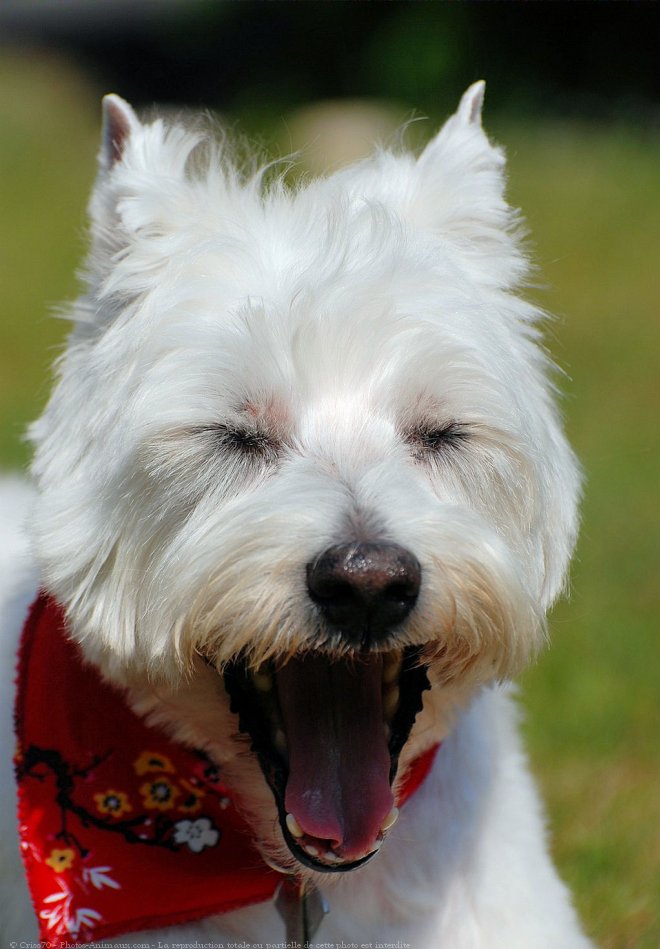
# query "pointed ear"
(141, 190)
(462, 131)
(459, 193)
(119, 123)
(471, 104)
(107, 233)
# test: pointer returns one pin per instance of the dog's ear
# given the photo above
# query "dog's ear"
(121, 128)
(461, 153)
(142, 189)
(471, 104)
(119, 123)
(460, 193)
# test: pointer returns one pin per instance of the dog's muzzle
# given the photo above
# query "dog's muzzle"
(328, 723)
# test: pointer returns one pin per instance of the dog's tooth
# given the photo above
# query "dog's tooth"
(331, 857)
(294, 826)
(262, 681)
(377, 845)
(279, 740)
(392, 663)
(390, 702)
(311, 850)
(390, 820)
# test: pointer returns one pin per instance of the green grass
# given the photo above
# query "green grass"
(592, 199)
(48, 129)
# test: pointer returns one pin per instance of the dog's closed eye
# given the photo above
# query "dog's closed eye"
(429, 440)
(247, 442)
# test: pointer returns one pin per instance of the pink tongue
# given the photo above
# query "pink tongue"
(338, 787)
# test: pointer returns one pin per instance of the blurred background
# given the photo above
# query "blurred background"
(574, 96)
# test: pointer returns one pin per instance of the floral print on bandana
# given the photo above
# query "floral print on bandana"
(165, 793)
(160, 794)
(113, 803)
(196, 834)
(121, 828)
(152, 761)
(61, 860)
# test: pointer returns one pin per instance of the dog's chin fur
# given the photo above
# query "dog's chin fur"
(257, 373)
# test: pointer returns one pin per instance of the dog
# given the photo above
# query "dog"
(302, 500)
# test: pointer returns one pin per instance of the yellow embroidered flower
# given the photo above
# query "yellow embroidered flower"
(193, 798)
(159, 794)
(152, 761)
(114, 803)
(61, 860)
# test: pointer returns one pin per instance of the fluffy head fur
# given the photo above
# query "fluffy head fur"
(258, 372)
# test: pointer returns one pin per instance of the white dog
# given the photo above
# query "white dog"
(302, 502)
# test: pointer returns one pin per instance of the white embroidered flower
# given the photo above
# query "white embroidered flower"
(197, 834)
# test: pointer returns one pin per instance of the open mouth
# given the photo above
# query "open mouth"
(328, 734)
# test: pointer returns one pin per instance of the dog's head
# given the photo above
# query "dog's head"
(302, 456)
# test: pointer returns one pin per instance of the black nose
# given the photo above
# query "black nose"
(364, 590)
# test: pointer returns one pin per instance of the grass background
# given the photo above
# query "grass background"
(591, 195)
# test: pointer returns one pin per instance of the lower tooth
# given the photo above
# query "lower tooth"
(279, 740)
(311, 850)
(390, 820)
(294, 827)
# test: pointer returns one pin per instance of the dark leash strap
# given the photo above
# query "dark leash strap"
(302, 906)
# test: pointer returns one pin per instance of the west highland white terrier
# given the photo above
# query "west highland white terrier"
(302, 502)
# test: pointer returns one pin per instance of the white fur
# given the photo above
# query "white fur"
(338, 318)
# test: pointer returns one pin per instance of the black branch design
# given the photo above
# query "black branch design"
(36, 758)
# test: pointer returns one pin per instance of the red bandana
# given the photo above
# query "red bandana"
(121, 828)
